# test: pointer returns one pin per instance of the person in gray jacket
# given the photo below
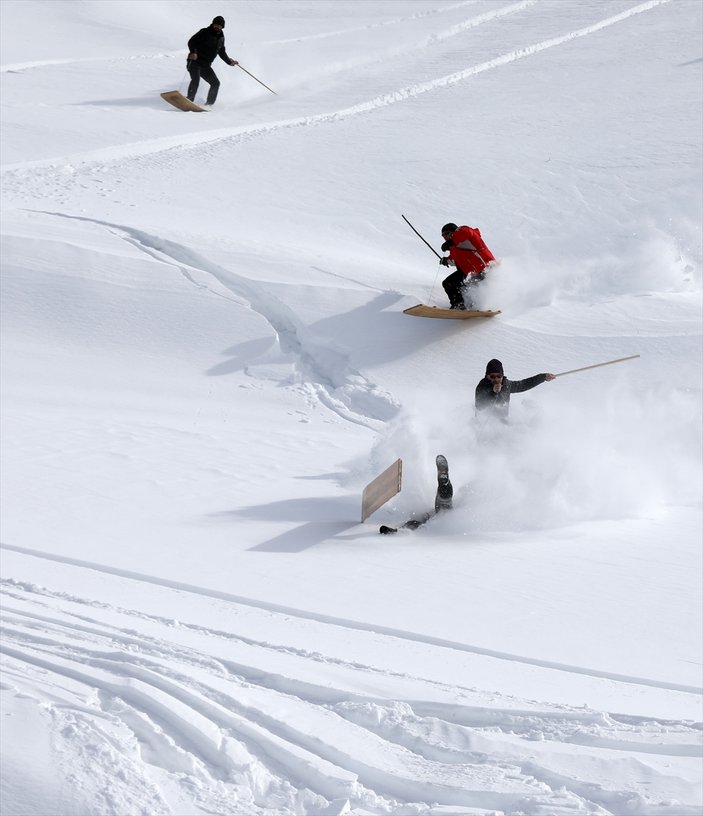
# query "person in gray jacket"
(494, 390)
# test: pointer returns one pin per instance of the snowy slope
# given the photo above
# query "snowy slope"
(205, 360)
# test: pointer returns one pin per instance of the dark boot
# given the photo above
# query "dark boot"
(445, 491)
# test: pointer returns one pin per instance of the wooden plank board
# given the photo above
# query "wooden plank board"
(381, 489)
(181, 102)
(446, 314)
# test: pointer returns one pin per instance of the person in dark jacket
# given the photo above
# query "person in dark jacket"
(494, 390)
(470, 255)
(203, 47)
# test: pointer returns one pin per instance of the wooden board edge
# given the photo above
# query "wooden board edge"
(382, 489)
(173, 97)
(420, 310)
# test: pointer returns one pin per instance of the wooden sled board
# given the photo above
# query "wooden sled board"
(381, 489)
(181, 102)
(445, 314)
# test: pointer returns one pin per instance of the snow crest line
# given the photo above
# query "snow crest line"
(490, 15)
(512, 56)
(351, 624)
(203, 710)
(320, 369)
(226, 724)
(140, 149)
(510, 720)
(18, 67)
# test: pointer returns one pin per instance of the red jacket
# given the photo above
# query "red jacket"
(469, 252)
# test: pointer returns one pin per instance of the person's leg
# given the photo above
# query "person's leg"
(445, 491)
(210, 76)
(194, 71)
(469, 291)
(453, 286)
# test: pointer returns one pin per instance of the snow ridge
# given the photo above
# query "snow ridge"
(201, 703)
(318, 368)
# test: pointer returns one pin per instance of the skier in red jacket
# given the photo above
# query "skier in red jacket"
(470, 255)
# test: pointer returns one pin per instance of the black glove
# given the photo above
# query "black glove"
(444, 261)
(447, 244)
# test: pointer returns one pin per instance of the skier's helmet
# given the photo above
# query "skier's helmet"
(447, 228)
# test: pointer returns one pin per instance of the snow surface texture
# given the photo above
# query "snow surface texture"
(205, 360)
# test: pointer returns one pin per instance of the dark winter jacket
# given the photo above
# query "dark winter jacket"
(500, 402)
(208, 44)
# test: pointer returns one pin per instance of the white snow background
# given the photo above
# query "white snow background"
(205, 360)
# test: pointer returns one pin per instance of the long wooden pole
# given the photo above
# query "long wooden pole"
(258, 80)
(420, 236)
(597, 365)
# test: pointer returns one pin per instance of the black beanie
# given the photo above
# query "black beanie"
(218, 21)
(494, 367)
(449, 228)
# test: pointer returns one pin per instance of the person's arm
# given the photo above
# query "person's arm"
(224, 55)
(516, 386)
(193, 44)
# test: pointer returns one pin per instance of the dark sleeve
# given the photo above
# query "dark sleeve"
(194, 42)
(485, 396)
(516, 386)
(223, 54)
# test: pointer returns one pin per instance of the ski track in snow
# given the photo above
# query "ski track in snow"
(228, 716)
(204, 705)
(18, 180)
(425, 42)
(323, 373)
(356, 625)
(397, 21)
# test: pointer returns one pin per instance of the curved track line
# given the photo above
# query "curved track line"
(429, 13)
(350, 624)
(144, 148)
(508, 720)
(339, 387)
(18, 67)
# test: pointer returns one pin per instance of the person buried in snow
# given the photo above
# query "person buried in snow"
(471, 257)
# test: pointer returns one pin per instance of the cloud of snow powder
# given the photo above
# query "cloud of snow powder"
(624, 450)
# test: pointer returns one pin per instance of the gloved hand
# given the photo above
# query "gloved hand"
(444, 261)
(448, 244)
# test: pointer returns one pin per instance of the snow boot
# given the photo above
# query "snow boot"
(445, 491)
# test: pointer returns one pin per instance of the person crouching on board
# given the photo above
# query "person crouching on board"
(470, 255)
(203, 47)
(494, 390)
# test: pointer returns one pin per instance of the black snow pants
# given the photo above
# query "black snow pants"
(454, 286)
(198, 70)
(460, 290)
